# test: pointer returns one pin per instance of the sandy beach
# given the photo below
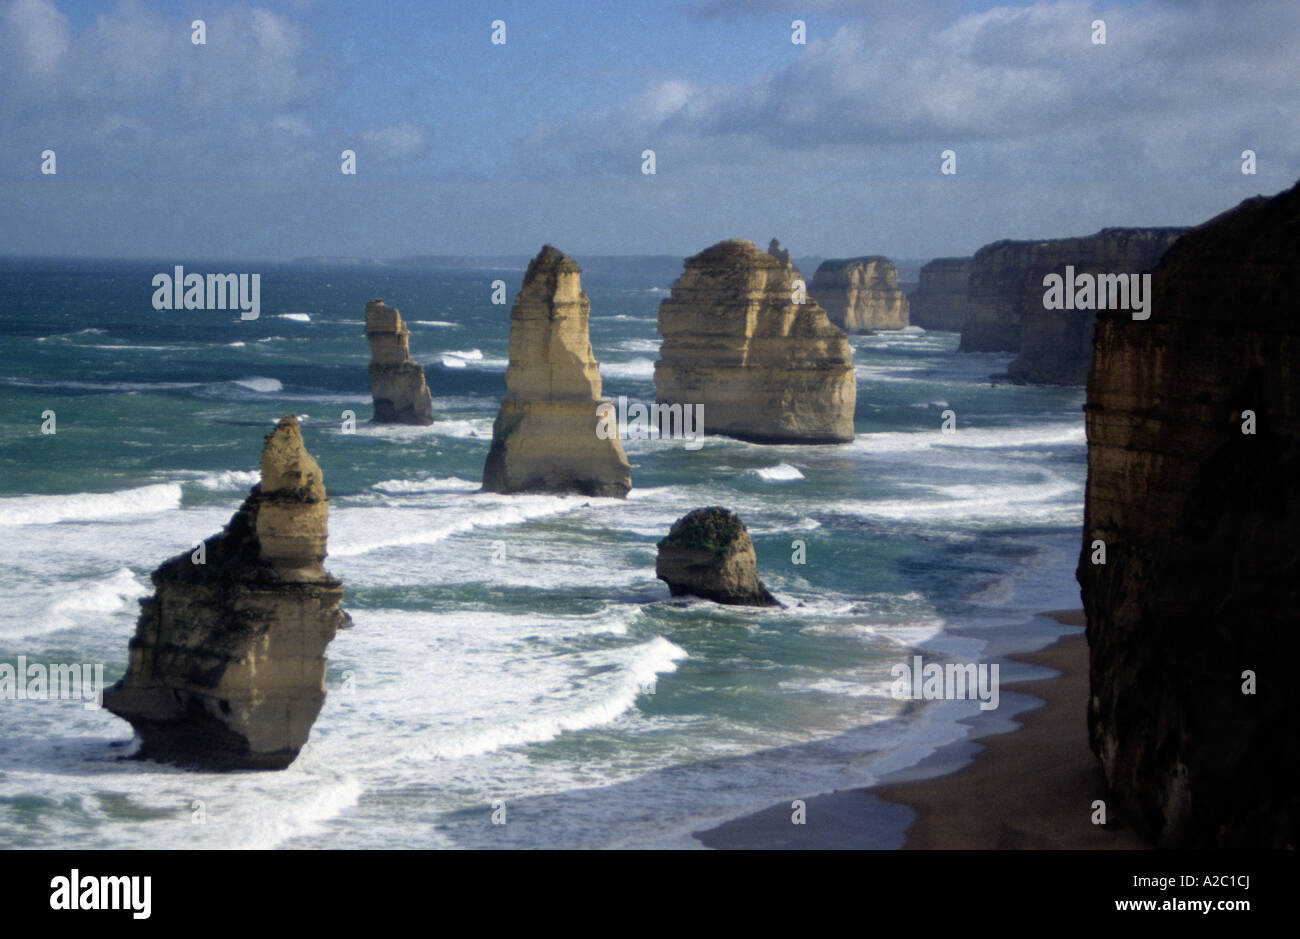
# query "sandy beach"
(1032, 787)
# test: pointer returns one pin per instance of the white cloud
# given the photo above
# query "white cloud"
(35, 39)
(395, 142)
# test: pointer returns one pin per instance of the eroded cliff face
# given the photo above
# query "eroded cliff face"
(939, 300)
(766, 368)
(545, 436)
(227, 666)
(860, 294)
(1005, 298)
(708, 553)
(396, 380)
(1201, 580)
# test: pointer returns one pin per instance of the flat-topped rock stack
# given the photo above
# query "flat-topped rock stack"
(545, 436)
(939, 300)
(861, 294)
(1193, 421)
(227, 666)
(397, 381)
(766, 368)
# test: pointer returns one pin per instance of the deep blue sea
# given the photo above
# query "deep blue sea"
(507, 650)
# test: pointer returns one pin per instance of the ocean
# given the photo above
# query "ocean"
(516, 675)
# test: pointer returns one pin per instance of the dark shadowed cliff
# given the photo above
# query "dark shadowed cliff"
(1200, 589)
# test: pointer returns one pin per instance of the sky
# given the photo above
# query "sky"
(232, 149)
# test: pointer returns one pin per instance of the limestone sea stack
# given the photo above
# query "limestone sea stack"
(939, 300)
(544, 438)
(1005, 299)
(766, 368)
(861, 294)
(1193, 421)
(708, 553)
(396, 380)
(227, 666)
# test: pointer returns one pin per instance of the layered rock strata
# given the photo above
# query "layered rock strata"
(861, 294)
(766, 368)
(1005, 310)
(396, 380)
(708, 553)
(939, 300)
(545, 436)
(1192, 617)
(227, 666)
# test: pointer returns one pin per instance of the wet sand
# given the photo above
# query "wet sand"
(1032, 787)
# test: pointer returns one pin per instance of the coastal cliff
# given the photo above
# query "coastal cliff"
(396, 380)
(939, 300)
(766, 368)
(545, 436)
(227, 666)
(860, 294)
(1005, 298)
(708, 553)
(1193, 422)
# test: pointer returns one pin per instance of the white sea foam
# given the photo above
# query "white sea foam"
(640, 345)
(259, 384)
(973, 438)
(782, 472)
(90, 506)
(296, 317)
(442, 323)
(227, 480)
(361, 530)
(428, 484)
(614, 693)
(636, 368)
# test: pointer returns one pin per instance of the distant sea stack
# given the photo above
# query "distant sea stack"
(781, 254)
(1005, 299)
(766, 368)
(939, 300)
(227, 667)
(396, 380)
(708, 553)
(544, 438)
(1201, 582)
(861, 294)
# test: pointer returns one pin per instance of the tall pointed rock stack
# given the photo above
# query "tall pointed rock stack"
(396, 380)
(544, 438)
(227, 666)
(737, 339)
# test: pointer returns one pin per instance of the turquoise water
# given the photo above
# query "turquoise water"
(506, 649)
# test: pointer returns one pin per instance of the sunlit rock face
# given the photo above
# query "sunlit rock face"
(545, 436)
(737, 339)
(227, 666)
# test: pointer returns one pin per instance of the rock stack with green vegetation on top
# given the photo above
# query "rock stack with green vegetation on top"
(708, 553)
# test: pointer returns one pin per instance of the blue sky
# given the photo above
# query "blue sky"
(231, 150)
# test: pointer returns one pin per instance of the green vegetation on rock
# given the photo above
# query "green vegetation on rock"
(713, 529)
